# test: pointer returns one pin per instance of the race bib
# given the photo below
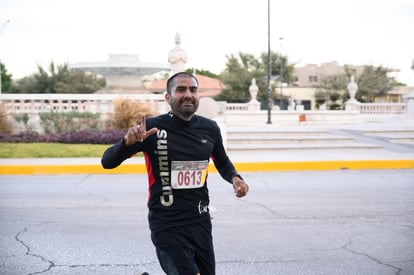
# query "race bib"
(188, 174)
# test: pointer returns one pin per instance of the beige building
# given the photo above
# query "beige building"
(306, 78)
(310, 75)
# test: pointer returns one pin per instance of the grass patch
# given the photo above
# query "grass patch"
(51, 150)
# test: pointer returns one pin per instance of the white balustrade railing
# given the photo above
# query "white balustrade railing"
(236, 107)
(104, 103)
(95, 103)
(382, 108)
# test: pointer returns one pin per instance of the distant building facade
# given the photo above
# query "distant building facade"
(311, 75)
(306, 78)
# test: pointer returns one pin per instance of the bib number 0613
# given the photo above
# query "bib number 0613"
(188, 174)
(189, 178)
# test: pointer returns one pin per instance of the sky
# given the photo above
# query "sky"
(357, 32)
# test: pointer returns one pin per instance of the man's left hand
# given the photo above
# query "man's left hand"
(240, 187)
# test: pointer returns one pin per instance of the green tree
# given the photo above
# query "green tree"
(202, 72)
(58, 79)
(373, 82)
(276, 59)
(331, 88)
(333, 83)
(241, 69)
(237, 77)
(6, 79)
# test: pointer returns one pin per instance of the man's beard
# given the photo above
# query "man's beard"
(185, 112)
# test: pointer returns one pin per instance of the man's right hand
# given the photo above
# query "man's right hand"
(138, 133)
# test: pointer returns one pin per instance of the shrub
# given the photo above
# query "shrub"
(27, 137)
(83, 137)
(127, 113)
(21, 118)
(80, 137)
(5, 126)
(67, 122)
(335, 106)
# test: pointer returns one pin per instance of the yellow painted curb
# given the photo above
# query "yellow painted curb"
(49, 169)
(325, 165)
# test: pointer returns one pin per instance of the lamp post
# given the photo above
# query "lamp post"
(281, 74)
(1, 30)
(269, 68)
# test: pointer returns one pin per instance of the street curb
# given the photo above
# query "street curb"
(50, 169)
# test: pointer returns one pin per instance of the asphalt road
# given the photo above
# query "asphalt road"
(325, 222)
